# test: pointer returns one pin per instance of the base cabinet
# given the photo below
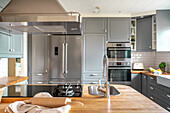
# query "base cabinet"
(148, 86)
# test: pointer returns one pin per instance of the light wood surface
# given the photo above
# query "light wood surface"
(129, 101)
(147, 73)
(11, 80)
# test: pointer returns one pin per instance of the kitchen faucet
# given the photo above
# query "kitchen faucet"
(106, 90)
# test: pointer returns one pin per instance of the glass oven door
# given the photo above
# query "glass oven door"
(119, 74)
(119, 52)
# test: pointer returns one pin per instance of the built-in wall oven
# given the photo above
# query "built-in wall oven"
(119, 55)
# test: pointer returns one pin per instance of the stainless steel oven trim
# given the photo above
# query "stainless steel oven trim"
(114, 68)
(117, 49)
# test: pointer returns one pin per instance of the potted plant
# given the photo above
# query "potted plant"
(162, 66)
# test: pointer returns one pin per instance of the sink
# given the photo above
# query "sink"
(163, 80)
(94, 91)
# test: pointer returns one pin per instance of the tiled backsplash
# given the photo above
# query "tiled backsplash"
(152, 59)
(3, 67)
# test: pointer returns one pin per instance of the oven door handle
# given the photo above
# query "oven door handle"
(119, 68)
(116, 49)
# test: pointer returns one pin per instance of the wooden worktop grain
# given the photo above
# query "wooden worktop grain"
(147, 73)
(129, 101)
(11, 80)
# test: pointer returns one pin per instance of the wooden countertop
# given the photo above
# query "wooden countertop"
(129, 101)
(11, 80)
(147, 73)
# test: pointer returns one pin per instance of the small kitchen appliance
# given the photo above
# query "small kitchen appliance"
(138, 66)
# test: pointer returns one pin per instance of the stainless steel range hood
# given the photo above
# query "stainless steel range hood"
(39, 16)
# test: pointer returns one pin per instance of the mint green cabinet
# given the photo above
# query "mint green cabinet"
(4, 44)
(17, 44)
(11, 46)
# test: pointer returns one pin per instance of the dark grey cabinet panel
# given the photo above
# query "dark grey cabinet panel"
(119, 29)
(136, 82)
(95, 25)
(144, 34)
(144, 85)
(163, 26)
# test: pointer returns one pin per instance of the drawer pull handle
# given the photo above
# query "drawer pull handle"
(93, 74)
(151, 87)
(151, 98)
(39, 82)
(94, 83)
(151, 78)
(39, 74)
(168, 108)
(168, 96)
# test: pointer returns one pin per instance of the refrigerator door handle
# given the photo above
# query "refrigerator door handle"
(63, 57)
(66, 71)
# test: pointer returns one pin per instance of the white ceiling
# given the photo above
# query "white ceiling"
(112, 7)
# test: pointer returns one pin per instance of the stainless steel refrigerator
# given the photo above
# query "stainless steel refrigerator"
(65, 59)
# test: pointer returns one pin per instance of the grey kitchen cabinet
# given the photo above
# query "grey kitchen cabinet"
(93, 52)
(144, 34)
(163, 27)
(144, 84)
(119, 29)
(158, 93)
(95, 25)
(136, 82)
(11, 45)
(39, 59)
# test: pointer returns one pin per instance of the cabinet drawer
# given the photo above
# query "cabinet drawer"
(163, 96)
(164, 105)
(151, 90)
(152, 79)
(39, 82)
(93, 76)
(38, 77)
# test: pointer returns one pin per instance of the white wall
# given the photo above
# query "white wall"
(3, 67)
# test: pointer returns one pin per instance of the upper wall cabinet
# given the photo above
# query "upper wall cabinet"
(144, 34)
(119, 29)
(95, 25)
(163, 30)
(11, 46)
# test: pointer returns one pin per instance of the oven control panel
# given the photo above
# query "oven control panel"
(119, 63)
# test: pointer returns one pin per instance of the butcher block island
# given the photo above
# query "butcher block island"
(129, 101)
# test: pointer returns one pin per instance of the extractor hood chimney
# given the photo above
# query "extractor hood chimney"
(37, 11)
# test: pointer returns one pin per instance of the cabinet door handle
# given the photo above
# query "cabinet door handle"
(168, 96)
(10, 50)
(39, 74)
(144, 76)
(151, 98)
(150, 46)
(46, 70)
(93, 74)
(151, 88)
(151, 78)
(105, 30)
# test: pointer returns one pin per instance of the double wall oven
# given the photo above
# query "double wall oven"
(119, 55)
